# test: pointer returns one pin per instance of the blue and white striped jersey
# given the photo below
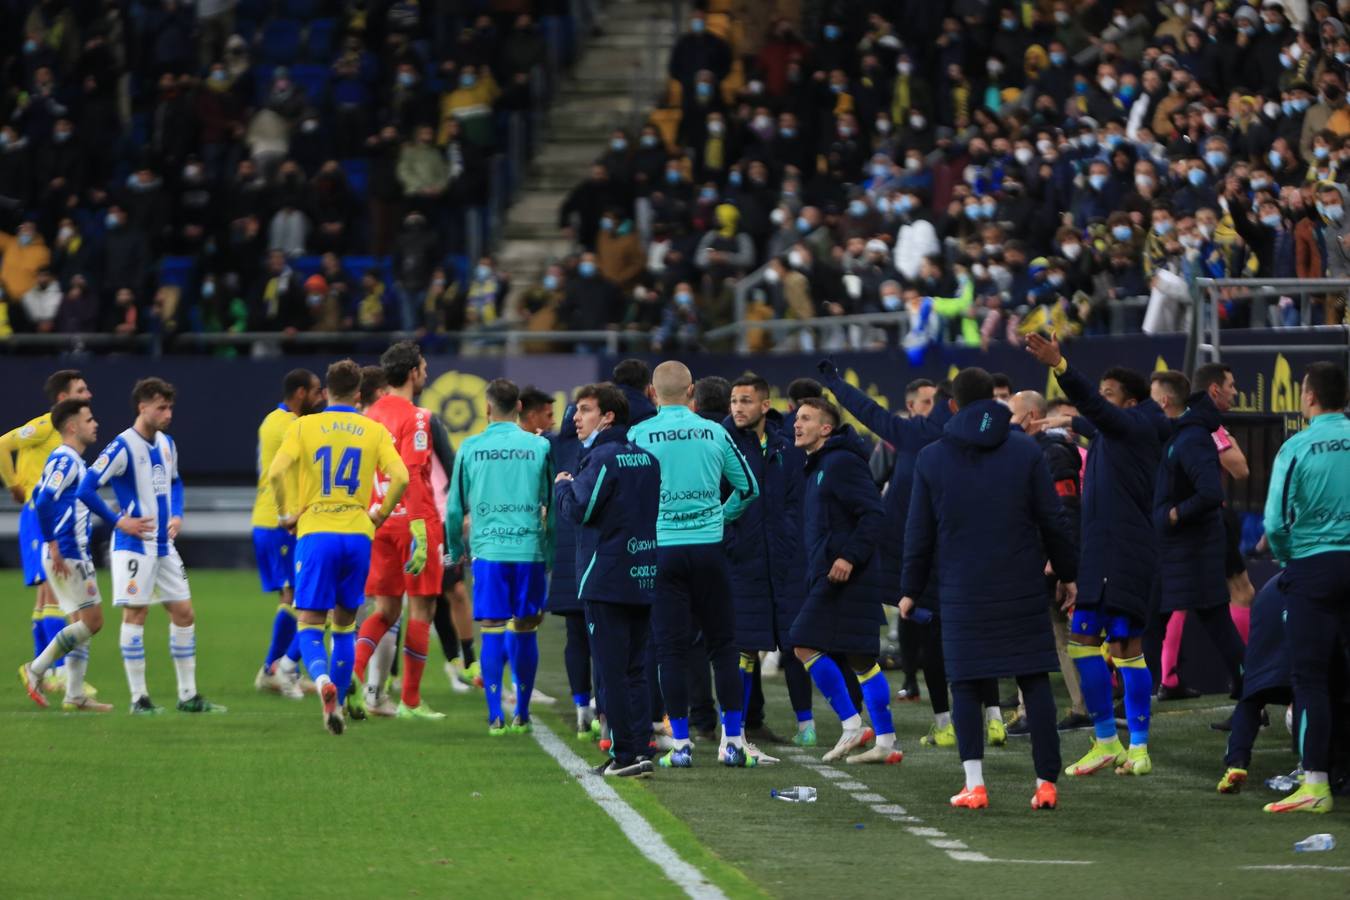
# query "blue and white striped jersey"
(63, 518)
(144, 478)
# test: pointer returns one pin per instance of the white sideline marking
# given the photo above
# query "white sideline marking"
(851, 786)
(888, 809)
(948, 845)
(868, 798)
(1294, 868)
(638, 831)
(972, 856)
(926, 832)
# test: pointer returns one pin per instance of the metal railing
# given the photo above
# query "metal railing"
(1204, 343)
(855, 329)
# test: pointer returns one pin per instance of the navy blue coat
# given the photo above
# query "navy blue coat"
(1118, 551)
(1191, 553)
(613, 502)
(984, 504)
(907, 436)
(842, 518)
(566, 452)
(764, 545)
(639, 407)
(1266, 665)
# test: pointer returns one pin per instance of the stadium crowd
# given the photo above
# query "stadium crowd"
(279, 165)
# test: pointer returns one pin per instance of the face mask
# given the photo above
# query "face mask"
(972, 212)
(1055, 280)
(1044, 146)
(1342, 57)
(1023, 155)
(756, 87)
(1334, 213)
(905, 203)
(704, 89)
(219, 75)
(1162, 228)
(1009, 24)
(313, 299)
(672, 176)
(803, 226)
(407, 78)
(697, 26)
(917, 122)
(209, 290)
(1087, 141)
(467, 80)
(883, 206)
(1107, 84)
(30, 46)
(1260, 184)
(1127, 91)
(891, 302)
(716, 128)
(1144, 182)
(1207, 231)
(607, 223)
(1071, 251)
(1196, 177)
(1190, 242)
(913, 163)
(1210, 120)
(772, 276)
(1286, 61)
(684, 298)
(990, 210)
(998, 273)
(1181, 10)
(993, 249)
(550, 282)
(1247, 30)
(787, 132)
(64, 234)
(1122, 232)
(795, 259)
(845, 131)
(831, 32)
(1097, 180)
(1271, 221)
(1274, 27)
(586, 269)
(778, 217)
(648, 140)
(1061, 17)
(1114, 140)
(1300, 104)
(904, 68)
(1216, 158)
(1272, 110)
(707, 195)
(25, 239)
(883, 126)
(1058, 59)
(111, 221)
(1321, 152)
(734, 179)
(618, 144)
(1276, 162)
(1121, 22)
(994, 66)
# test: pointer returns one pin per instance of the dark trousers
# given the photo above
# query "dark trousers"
(577, 654)
(798, 688)
(702, 709)
(619, 640)
(968, 717)
(1247, 724)
(694, 592)
(1318, 618)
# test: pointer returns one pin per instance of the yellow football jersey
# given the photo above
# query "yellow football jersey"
(270, 435)
(337, 453)
(34, 442)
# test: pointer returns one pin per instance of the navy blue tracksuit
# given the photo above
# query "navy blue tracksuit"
(985, 508)
(613, 501)
(1267, 677)
(1191, 553)
(1118, 551)
(566, 451)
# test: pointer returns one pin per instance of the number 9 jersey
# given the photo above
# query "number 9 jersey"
(337, 452)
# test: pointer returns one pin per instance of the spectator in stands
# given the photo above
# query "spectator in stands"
(423, 171)
(124, 315)
(41, 302)
(725, 252)
(471, 103)
(384, 191)
(679, 328)
(591, 302)
(416, 256)
(24, 255)
(290, 226)
(485, 301)
(333, 208)
(588, 201)
(79, 308)
(279, 302)
(699, 50)
(618, 251)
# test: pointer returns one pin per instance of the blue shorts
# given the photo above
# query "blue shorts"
(330, 570)
(1097, 623)
(508, 590)
(274, 549)
(30, 546)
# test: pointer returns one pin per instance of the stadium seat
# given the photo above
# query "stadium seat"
(319, 41)
(314, 80)
(262, 82)
(254, 10)
(178, 271)
(358, 174)
(280, 42)
(246, 29)
(301, 10)
(305, 266)
(357, 266)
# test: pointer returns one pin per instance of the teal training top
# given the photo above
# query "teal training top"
(1308, 507)
(695, 455)
(503, 480)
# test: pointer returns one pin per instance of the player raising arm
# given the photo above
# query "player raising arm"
(337, 452)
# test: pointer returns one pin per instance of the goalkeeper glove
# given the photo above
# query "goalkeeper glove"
(417, 553)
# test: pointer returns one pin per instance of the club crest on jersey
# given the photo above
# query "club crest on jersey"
(159, 478)
(420, 441)
(27, 431)
(100, 464)
(91, 589)
(132, 590)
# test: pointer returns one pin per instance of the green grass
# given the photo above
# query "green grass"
(261, 801)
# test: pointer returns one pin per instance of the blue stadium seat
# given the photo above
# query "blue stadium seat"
(305, 266)
(254, 10)
(319, 41)
(457, 267)
(280, 44)
(262, 82)
(314, 79)
(177, 270)
(358, 175)
(357, 266)
(302, 10)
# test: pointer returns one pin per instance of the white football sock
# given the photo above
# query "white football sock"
(974, 772)
(1314, 777)
(853, 723)
(993, 714)
(886, 740)
(942, 719)
(183, 649)
(382, 660)
(70, 637)
(77, 663)
(133, 658)
(805, 724)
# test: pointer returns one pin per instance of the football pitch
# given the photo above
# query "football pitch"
(262, 802)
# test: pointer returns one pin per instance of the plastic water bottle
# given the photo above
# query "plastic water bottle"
(797, 794)
(1314, 843)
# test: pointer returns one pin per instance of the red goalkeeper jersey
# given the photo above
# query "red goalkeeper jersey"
(411, 427)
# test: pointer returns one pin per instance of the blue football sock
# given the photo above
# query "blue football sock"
(731, 723)
(492, 658)
(52, 623)
(1095, 678)
(747, 678)
(344, 658)
(283, 630)
(524, 666)
(804, 715)
(39, 634)
(310, 638)
(1138, 696)
(830, 682)
(679, 728)
(876, 693)
(581, 699)
(293, 649)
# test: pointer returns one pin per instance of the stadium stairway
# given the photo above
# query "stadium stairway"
(612, 86)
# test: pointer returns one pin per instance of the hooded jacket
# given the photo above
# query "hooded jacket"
(567, 452)
(1191, 552)
(764, 546)
(640, 409)
(843, 518)
(613, 502)
(984, 505)
(1118, 549)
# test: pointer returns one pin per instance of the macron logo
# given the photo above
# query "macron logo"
(985, 422)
